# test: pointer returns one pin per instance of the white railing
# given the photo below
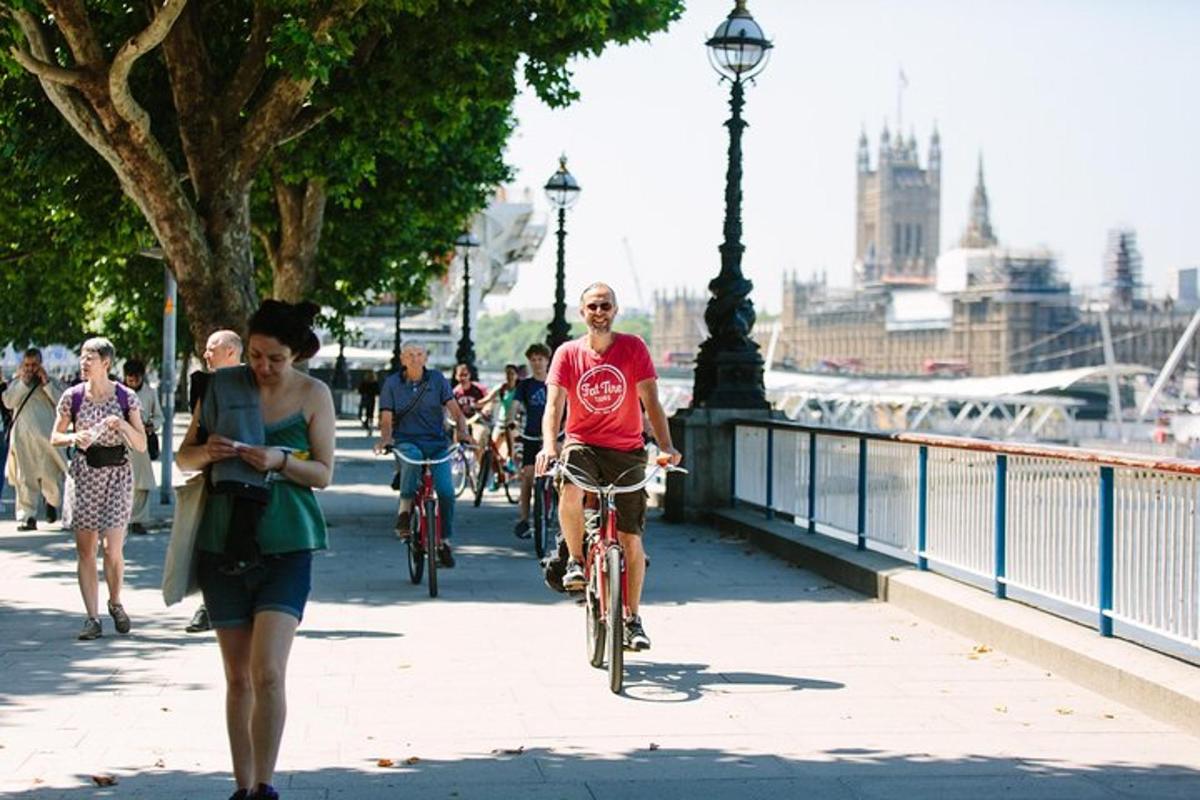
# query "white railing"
(1106, 538)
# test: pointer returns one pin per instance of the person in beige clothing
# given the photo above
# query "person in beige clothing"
(143, 470)
(35, 469)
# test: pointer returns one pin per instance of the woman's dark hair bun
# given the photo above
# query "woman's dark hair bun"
(290, 323)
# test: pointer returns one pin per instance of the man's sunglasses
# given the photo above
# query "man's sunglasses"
(599, 306)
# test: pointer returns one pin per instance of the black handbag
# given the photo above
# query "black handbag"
(152, 445)
(97, 456)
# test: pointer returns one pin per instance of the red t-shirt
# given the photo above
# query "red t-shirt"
(602, 400)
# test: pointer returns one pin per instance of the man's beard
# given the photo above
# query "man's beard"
(600, 326)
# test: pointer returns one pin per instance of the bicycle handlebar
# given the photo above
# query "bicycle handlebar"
(581, 479)
(425, 462)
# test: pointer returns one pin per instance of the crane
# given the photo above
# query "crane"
(637, 286)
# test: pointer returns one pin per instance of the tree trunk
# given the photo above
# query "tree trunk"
(301, 215)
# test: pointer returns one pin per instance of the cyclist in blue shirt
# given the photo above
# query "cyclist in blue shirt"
(412, 410)
(531, 397)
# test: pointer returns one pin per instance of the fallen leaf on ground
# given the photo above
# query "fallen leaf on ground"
(653, 745)
(164, 708)
(160, 763)
(1064, 710)
(509, 751)
(894, 638)
(981, 648)
(412, 760)
(385, 762)
(1002, 709)
(104, 780)
(1110, 716)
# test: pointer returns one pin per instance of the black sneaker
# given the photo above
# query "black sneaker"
(200, 621)
(573, 579)
(120, 618)
(521, 529)
(91, 630)
(635, 635)
(137, 528)
(240, 794)
(28, 525)
(404, 525)
(51, 514)
(265, 791)
(445, 557)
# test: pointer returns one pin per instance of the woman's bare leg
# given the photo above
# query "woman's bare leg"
(114, 562)
(86, 543)
(239, 701)
(274, 632)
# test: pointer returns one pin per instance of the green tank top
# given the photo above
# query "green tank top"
(292, 521)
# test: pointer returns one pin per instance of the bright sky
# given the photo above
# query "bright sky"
(1084, 111)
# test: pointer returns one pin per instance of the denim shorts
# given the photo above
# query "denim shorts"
(280, 583)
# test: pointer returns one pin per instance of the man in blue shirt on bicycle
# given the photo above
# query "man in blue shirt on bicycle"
(412, 411)
(531, 398)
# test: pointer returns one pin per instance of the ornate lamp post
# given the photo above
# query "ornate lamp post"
(465, 353)
(729, 369)
(563, 191)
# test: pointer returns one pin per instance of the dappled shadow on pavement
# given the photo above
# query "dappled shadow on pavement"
(668, 773)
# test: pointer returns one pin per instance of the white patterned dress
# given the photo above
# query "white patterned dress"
(98, 498)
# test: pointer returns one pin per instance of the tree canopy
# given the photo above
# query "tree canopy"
(345, 142)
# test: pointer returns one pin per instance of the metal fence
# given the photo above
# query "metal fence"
(1100, 537)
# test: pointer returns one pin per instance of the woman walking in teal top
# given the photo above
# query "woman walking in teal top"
(256, 607)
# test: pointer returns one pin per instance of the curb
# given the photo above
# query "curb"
(1157, 685)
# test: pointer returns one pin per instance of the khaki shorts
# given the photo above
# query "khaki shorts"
(606, 466)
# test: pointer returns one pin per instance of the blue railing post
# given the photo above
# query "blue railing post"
(770, 473)
(922, 505)
(1105, 549)
(733, 468)
(862, 494)
(812, 481)
(1001, 589)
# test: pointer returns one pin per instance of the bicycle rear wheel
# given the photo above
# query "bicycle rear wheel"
(595, 619)
(416, 556)
(481, 479)
(432, 522)
(615, 624)
(460, 471)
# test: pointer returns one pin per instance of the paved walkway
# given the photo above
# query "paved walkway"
(764, 682)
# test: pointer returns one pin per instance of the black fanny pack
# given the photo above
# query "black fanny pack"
(98, 456)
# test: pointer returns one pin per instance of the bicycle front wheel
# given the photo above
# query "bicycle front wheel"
(433, 521)
(481, 479)
(615, 623)
(539, 523)
(416, 556)
(460, 472)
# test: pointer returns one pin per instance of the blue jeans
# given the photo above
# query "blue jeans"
(443, 480)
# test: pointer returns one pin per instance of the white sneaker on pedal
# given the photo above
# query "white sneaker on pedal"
(573, 579)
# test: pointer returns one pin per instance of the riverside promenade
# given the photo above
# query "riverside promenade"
(765, 681)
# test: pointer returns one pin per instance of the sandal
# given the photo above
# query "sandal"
(120, 618)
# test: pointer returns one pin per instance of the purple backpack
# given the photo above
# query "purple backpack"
(77, 392)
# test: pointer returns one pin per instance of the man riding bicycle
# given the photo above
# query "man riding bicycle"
(412, 412)
(531, 398)
(601, 377)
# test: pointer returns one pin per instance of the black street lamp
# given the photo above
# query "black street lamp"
(563, 191)
(729, 369)
(465, 354)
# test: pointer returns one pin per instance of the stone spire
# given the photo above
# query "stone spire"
(979, 227)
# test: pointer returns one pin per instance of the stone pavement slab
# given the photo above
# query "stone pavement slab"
(765, 681)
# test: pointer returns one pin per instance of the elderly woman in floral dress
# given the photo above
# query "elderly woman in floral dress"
(105, 419)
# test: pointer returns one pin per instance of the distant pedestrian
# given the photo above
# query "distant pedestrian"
(223, 349)
(34, 468)
(152, 420)
(284, 442)
(368, 391)
(106, 422)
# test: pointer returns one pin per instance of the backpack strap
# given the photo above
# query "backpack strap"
(76, 393)
(123, 399)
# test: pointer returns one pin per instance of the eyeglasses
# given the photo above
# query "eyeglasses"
(599, 306)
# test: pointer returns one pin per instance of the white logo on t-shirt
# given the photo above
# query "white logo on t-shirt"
(601, 389)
